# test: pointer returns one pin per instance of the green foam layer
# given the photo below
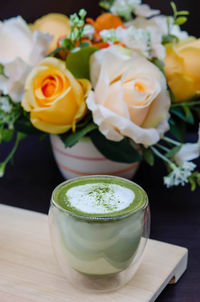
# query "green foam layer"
(60, 198)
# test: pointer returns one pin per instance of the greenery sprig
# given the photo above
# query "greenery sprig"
(106, 4)
(178, 174)
(179, 17)
(77, 29)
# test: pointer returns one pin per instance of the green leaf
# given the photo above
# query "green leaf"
(122, 151)
(194, 101)
(197, 110)
(169, 39)
(181, 20)
(85, 44)
(178, 129)
(84, 121)
(173, 5)
(70, 139)
(173, 151)
(2, 168)
(189, 115)
(183, 13)
(178, 112)
(194, 180)
(160, 64)
(2, 71)
(192, 183)
(24, 125)
(54, 52)
(78, 62)
(106, 4)
(6, 134)
(172, 95)
(21, 136)
(148, 156)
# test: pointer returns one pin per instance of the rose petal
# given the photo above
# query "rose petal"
(16, 71)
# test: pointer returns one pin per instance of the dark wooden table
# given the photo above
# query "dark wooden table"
(175, 213)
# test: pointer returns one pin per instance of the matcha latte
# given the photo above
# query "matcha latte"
(97, 224)
(100, 197)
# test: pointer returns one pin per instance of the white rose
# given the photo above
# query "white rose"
(20, 50)
(130, 97)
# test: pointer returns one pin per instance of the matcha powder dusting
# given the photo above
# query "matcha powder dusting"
(99, 198)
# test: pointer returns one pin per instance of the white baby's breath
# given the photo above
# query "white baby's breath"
(109, 35)
(136, 39)
(124, 8)
(179, 175)
(88, 31)
(5, 104)
(166, 24)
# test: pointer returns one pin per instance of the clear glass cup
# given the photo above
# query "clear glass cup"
(95, 253)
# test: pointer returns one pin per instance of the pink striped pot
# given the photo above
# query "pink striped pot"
(84, 159)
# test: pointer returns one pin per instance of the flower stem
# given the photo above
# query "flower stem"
(19, 137)
(171, 141)
(164, 158)
(188, 104)
(162, 147)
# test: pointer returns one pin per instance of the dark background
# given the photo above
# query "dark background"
(28, 183)
(31, 10)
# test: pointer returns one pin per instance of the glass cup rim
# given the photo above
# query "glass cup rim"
(93, 218)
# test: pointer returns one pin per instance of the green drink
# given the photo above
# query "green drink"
(97, 224)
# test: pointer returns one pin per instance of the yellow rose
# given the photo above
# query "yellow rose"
(55, 99)
(57, 25)
(182, 69)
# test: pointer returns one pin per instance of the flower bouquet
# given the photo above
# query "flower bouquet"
(129, 81)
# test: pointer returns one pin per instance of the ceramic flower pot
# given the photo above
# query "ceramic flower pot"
(84, 159)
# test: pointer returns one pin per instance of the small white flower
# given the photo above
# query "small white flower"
(144, 10)
(156, 49)
(124, 8)
(88, 31)
(161, 22)
(188, 152)
(5, 104)
(135, 38)
(108, 35)
(179, 175)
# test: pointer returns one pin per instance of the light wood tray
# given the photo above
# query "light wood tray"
(29, 272)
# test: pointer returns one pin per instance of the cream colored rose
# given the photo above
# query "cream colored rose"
(130, 97)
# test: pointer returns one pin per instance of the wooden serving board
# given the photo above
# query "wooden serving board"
(29, 272)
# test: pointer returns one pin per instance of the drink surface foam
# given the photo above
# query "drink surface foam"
(99, 196)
